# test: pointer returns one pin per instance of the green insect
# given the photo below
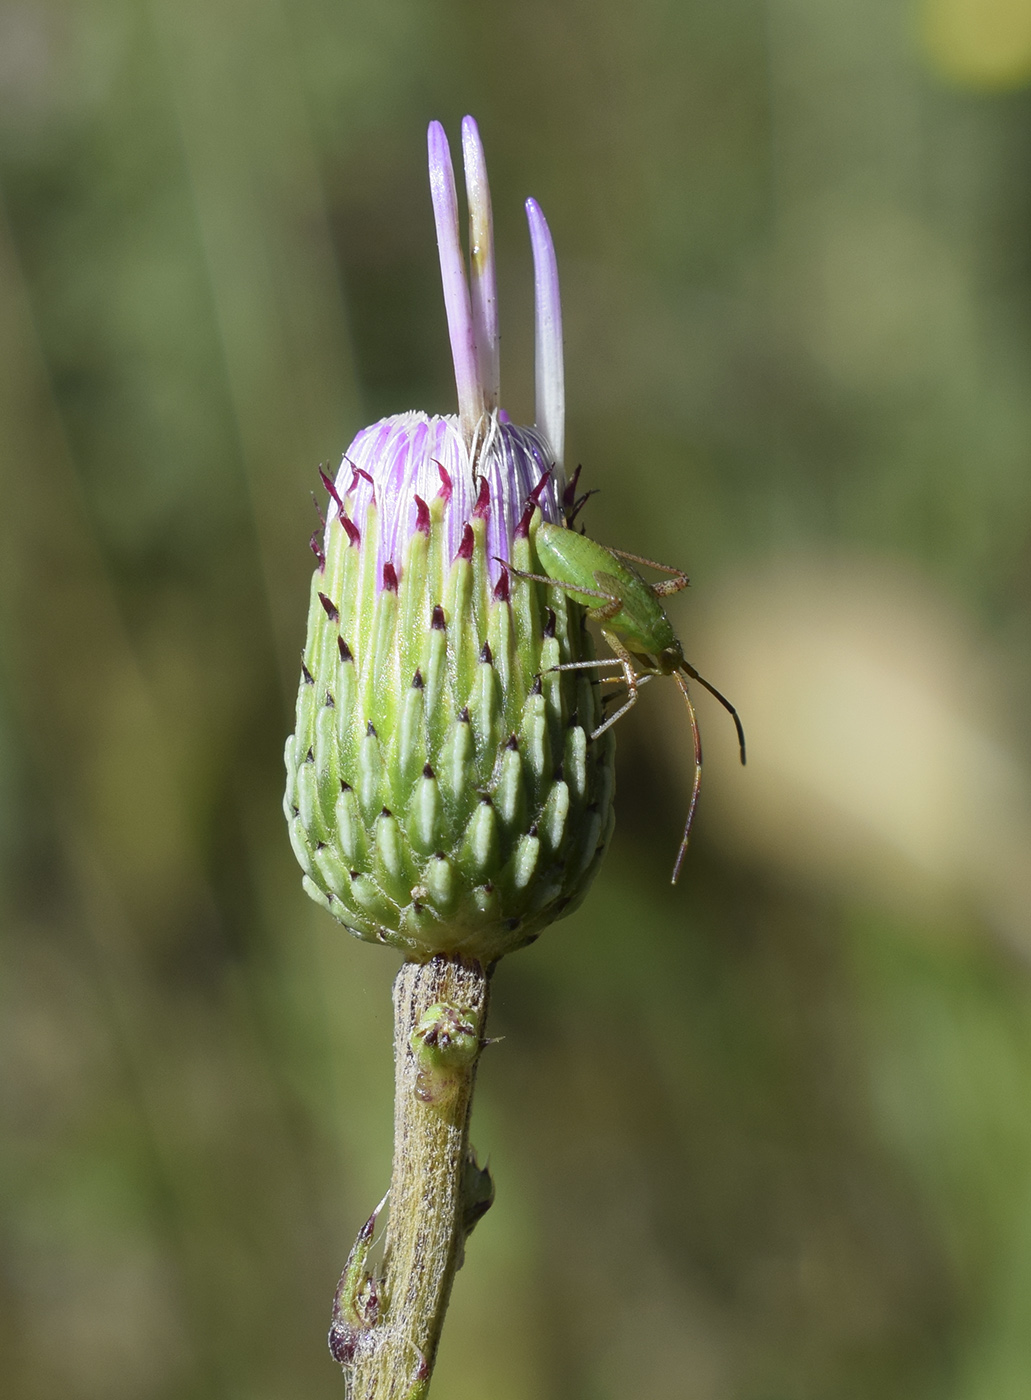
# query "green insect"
(633, 623)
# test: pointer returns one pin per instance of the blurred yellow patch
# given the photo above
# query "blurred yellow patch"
(878, 762)
(983, 44)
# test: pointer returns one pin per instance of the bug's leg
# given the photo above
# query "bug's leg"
(628, 704)
(629, 675)
(675, 584)
(724, 702)
(615, 695)
(671, 586)
(697, 774)
(612, 603)
(608, 612)
(597, 664)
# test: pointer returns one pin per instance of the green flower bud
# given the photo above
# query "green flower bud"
(443, 792)
(445, 1044)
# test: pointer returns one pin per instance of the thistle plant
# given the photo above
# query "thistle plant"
(444, 795)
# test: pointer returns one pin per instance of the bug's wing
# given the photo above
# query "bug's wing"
(609, 583)
(640, 618)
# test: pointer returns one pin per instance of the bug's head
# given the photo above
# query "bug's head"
(670, 659)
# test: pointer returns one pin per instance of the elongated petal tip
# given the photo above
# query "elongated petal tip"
(471, 139)
(549, 364)
(482, 279)
(439, 152)
(452, 272)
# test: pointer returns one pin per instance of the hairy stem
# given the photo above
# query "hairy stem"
(391, 1325)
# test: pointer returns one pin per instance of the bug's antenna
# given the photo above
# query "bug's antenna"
(697, 771)
(723, 701)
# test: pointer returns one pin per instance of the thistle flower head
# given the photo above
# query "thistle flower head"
(443, 794)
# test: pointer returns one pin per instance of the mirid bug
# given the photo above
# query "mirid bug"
(633, 623)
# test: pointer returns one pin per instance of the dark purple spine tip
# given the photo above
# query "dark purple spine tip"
(534, 498)
(330, 608)
(306, 675)
(422, 516)
(523, 528)
(569, 494)
(330, 702)
(428, 772)
(463, 716)
(437, 621)
(315, 545)
(445, 482)
(465, 549)
(389, 578)
(501, 588)
(485, 654)
(576, 508)
(370, 730)
(512, 742)
(549, 623)
(386, 812)
(318, 509)
(357, 472)
(331, 488)
(481, 510)
(417, 681)
(344, 650)
(351, 529)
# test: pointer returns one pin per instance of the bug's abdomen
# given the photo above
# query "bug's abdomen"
(640, 621)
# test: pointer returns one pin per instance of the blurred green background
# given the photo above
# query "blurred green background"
(766, 1136)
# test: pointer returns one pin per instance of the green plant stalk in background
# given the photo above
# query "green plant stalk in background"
(450, 778)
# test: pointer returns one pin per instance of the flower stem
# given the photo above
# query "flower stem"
(436, 1190)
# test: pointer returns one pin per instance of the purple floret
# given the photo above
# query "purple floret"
(401, 455)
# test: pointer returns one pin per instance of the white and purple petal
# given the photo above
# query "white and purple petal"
(402, 457)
